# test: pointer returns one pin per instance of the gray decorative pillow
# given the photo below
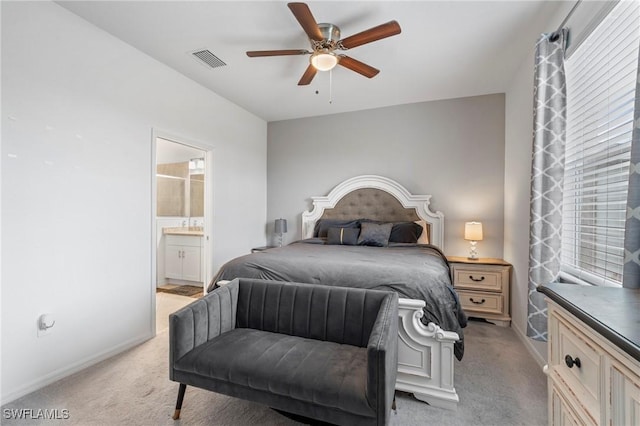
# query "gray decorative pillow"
(322, 226)
(343, 236)
(375, 234)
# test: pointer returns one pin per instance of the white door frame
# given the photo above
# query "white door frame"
(208, 210)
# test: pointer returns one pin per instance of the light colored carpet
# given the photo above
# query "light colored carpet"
(499, 383)
(167, 303)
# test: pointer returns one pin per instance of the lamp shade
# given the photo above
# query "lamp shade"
(473, 231)
(281, 226)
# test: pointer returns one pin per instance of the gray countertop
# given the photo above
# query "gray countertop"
(612, 312)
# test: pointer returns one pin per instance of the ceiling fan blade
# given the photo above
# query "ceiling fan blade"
(389, 29)
(357, 66)
(308, 75)
(257, 53)
(307, 21)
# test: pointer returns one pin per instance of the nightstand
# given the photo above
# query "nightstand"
(263, 248)
(483, 287)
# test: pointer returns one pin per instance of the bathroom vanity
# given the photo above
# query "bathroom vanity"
(183, 253)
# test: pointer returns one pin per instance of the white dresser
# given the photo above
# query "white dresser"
(594, 355)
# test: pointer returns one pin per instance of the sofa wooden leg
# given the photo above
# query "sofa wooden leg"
(393, 406)
(176, 414)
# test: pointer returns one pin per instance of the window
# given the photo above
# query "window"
(601, 81)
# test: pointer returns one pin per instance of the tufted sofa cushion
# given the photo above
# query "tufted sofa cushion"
(336, 314)
(286, 366)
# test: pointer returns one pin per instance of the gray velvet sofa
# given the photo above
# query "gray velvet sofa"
(327, 353)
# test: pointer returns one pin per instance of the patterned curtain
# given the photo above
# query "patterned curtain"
(547, 175)
(631, 274)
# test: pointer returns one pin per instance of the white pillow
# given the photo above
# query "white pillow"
(424, 237)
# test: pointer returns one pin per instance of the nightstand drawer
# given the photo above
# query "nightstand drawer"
(477, 278)
(483, 286)
(476, 301)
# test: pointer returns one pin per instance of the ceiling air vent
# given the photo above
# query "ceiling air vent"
(209, 58)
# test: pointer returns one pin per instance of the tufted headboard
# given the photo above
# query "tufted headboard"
(377, 198)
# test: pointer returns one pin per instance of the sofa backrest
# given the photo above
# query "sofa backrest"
(336, 314)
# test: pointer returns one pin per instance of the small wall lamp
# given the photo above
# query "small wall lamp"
(473, 233)
(280, 228)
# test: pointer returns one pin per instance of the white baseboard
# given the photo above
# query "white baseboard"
(527, 343)
(68, 370)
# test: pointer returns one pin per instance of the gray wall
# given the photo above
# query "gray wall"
(452, 149)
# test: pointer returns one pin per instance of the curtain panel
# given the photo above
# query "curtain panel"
(631, 274)
(547, 175)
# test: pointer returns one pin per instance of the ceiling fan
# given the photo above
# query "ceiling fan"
(325, 40)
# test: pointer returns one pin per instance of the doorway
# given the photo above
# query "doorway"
(181, 227)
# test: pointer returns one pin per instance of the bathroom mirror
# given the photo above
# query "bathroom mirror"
(180, 188)
(196, 195)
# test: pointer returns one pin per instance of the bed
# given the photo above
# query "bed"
(431, 319)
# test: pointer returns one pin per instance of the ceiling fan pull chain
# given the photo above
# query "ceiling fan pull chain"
(330, 86)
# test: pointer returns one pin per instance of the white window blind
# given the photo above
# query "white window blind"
(601, 81)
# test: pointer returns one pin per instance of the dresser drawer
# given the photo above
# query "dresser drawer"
(481, 278)
(605, 389)
(477, 301)
(576, 361)
(563, 413)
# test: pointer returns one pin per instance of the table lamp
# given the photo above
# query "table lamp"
(280, 228)
(473, 233)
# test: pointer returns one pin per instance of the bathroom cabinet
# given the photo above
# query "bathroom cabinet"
(183, 257)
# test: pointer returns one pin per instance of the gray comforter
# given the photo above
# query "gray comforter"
(413, 271)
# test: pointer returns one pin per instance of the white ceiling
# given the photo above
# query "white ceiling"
(447, 49)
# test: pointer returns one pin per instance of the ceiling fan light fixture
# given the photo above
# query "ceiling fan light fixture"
(324, 60)
(325, 40)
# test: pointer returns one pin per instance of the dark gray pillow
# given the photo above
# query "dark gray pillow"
(405, 232)
(374, 234)
(343, 236)
(322, 226)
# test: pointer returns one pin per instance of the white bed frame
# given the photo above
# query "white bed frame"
(425, 353)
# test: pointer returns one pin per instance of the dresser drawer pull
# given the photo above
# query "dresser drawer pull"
(572, 361)
(476, 302)
(471, 277)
